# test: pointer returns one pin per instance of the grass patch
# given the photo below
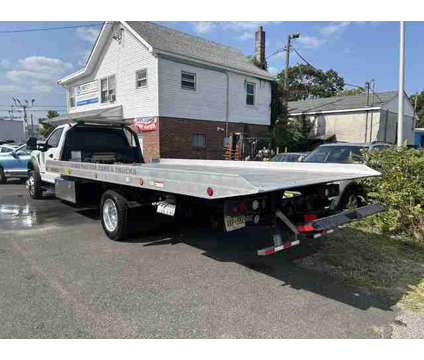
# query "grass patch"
(390, 267)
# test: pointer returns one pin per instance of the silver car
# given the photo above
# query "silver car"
(351, 193)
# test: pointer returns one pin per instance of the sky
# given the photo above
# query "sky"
(32, 62)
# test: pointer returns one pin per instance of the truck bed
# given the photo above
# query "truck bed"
(225, 178)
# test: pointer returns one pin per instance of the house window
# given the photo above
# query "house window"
(141, 78)
(198, 141)
(72, 97)
(250, 93)
(108, 89)
(188, 80)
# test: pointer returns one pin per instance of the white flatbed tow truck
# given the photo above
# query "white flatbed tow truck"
(103, 162)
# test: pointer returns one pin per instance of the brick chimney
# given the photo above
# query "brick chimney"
(260, 48)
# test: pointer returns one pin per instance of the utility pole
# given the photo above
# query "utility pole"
(24, 105)
(401, 83)
(290, 37)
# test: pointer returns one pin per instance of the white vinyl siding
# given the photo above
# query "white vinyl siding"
(124, 59)
(208, 102)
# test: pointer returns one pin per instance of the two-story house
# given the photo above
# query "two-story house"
(184, 93)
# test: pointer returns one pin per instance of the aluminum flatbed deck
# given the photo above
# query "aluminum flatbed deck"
(225, 178)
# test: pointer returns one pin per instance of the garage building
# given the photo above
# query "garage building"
(361, 118)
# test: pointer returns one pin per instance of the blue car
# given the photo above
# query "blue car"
(14, 164)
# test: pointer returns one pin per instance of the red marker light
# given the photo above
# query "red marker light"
(209, 191)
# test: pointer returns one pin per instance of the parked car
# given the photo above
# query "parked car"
(351, 193)
(289, 157)
(7, 148)
(14, 163)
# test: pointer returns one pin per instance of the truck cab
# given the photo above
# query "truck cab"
(81, 142)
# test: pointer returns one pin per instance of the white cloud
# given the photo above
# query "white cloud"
(242, 25)
(87, 33)
(10, 88)
(334, 29)
(247, 35)
(310, 41)
(325, 34)
(37, 73)
(203, 27)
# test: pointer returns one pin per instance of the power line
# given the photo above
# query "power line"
(275, 53)
(315, 68)
(49, 28)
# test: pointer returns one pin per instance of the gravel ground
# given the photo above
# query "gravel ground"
(62, 278)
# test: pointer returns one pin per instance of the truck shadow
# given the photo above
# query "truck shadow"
(240, 247)
(287, 266)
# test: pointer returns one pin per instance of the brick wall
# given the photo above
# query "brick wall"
(151, 145)
(175, 137)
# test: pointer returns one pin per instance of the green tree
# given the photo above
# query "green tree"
(419, 97)
(43, 128)
(304, 81)
(351, 92)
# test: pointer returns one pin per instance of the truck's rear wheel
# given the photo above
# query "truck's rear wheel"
(114, 214)
(34, 184)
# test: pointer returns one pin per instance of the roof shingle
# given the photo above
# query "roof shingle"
(180, 43)
(340, 102)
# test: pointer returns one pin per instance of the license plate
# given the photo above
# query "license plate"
(234, 222)
(166, 209)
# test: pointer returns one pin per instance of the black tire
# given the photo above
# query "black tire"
(117, 205)
(3, 178)
(352, 199)
(35, 190)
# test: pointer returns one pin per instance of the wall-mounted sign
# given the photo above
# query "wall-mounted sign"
(145, 124)
(87, 93)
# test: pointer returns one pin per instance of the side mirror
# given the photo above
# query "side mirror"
(32, 143)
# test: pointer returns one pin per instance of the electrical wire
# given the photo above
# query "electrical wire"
(49, 28)
(315, 68)
(275, 53)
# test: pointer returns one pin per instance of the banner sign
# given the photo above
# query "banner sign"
(146, 124)
(87, 93)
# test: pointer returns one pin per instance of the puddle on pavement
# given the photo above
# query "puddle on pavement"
(20, 216)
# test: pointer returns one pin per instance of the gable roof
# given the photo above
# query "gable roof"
(337, 103)
(167, 40)
(170, 42)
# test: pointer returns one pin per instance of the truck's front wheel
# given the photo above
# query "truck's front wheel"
(114, 214)
(34, 184)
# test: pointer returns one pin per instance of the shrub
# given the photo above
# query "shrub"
(400, 189)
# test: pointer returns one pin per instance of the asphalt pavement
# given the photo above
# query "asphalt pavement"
(61, 277)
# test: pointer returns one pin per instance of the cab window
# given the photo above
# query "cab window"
(53, 140)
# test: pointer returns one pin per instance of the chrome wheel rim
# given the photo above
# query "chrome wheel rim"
(352, 202)
(30, 184)
(110, 215)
